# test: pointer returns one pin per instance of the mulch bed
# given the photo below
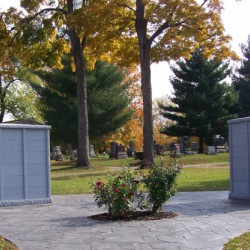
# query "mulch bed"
(136, 216)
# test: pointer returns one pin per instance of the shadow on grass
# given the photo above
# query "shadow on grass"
(213, 185)
(63, 169)
(70, 177)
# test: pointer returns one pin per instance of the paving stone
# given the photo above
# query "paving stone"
(206, 220)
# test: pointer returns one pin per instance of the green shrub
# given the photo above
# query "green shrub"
(119, 193)
(161, 183)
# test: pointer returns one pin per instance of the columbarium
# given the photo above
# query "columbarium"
(239, 148)
(24, 163)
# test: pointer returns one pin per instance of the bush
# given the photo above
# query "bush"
(119, 193)
(161, 183)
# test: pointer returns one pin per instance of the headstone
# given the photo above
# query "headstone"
(177, 148)
(219, 143)
(211, 150)
(75, 153)
(139, 156)
(70, 152)
(157, 149)
(131, 149)
(172, 146)
(185, 147)
(194, 146)
(120, 152)
(91, 151)
(113, 145)
(56, 154)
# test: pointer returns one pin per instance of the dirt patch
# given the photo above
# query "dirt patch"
(136, 216)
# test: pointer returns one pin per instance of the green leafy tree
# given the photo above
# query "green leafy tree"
(108, 101)
(129, 31)
(202, 101)
(17, 99)
(242, 81)
(40, 36)
(153, 31)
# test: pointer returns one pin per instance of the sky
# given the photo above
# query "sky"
(236, 20)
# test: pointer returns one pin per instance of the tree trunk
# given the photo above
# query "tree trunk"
(144, 45)
(77, 47)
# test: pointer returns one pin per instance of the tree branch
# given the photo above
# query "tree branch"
(127, 6)
(7, 86)
(29, 19)
(204, 2)
(159, 31)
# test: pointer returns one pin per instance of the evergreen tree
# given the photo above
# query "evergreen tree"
(242, 82)
(108, 101)
(201, 101)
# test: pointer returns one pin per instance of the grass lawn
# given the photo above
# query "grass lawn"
(66, 179)
(103, 163)
(6, 245)
(238, 243)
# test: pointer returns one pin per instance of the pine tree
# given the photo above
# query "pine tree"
(108, 101)
(242, 82)
(202, 102)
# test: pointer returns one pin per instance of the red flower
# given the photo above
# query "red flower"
(99, 183)
(99, 187)
(126, 199)
(106, 200)
(137, 181)
(116, 190)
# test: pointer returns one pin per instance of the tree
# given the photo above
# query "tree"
(242, 81)
(108, 100)
(16, 98)
(160, 122)
(202, 101)
(163, 30)
(149, 31)
(21, 102)
(132, 130)
(42, 34)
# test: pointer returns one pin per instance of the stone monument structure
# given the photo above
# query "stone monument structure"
(56, 154)
(120, 152)
(239, 145)
(113, 149)
(24, 163)
(91, 151)
(131, 149)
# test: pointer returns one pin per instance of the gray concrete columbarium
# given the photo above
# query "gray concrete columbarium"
(24, 164)
(239, 148)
